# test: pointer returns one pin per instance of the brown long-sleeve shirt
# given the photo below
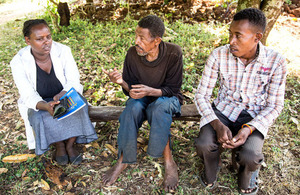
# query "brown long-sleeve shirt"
(164, 73)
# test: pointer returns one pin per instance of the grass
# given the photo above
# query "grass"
(104, 45)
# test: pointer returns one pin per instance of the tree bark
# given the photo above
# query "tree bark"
(64, 14)
(243, 4)
(106, 113)
(271, 8)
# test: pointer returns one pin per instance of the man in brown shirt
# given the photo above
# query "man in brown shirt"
(152, 78)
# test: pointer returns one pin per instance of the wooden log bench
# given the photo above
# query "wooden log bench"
(189, 112)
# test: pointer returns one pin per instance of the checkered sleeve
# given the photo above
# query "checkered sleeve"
(275, 98)
(205, 88)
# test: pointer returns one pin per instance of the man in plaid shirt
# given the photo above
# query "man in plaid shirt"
(251, 96)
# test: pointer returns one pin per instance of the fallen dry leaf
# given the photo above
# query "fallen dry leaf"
(45, 185)
(3, 170)
(42, 184)
(69, 187)
(158, 166)
(111, 149)
(104, 154)
(17, 158)
(25, 178)
(56, 175)
(141, 140)
(95, 145)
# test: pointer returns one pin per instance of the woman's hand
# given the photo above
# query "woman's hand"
(47, 106)
(58, 96)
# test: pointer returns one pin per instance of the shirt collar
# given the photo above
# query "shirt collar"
(261, 58)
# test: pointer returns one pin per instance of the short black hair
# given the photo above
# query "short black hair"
(31, 23)
(255, 17)
(154, 24)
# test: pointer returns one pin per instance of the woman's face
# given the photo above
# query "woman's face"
(40, 40)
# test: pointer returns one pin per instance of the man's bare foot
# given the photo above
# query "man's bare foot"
(171, 176)
(113, 173)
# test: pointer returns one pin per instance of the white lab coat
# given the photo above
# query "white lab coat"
(23, 68)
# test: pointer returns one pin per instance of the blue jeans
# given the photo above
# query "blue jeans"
(158, 112)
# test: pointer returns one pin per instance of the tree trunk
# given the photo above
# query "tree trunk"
(64, 14)
(189, 112)
(271, 8)
(243, 4)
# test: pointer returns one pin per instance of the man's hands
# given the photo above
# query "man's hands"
(223, 132)
(137, 91)
(140, 91)
(224, 135)
(239, 139)
(114, 76)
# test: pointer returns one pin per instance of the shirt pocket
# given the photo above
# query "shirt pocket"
(226, 80)
(261, 84)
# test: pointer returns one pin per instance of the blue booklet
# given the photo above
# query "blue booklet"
(74, 103)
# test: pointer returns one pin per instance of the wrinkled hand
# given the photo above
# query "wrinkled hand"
(114, 76)
(58, 96)
(238, 140)
(139, 91)
(223, 132)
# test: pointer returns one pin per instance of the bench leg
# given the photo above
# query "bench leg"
(233, 159)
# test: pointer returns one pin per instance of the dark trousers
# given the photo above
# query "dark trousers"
(249, 155)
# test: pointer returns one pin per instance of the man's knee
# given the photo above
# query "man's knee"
(164, 105)
(134, 108)
(204, 145)
(250, 158)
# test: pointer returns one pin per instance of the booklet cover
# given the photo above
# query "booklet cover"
(74, 103)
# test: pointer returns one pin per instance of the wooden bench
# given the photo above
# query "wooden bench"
(189, 112)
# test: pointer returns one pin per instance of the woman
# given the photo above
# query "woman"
(43, 72)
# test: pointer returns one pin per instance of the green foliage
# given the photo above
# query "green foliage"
(288, 2)
(6, 1)
(226, 3)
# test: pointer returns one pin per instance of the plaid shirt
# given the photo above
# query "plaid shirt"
(258, 87)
